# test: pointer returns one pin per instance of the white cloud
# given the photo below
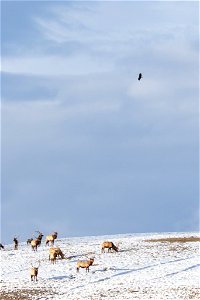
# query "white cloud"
(146, 88)
(54, 65)
(105, 33)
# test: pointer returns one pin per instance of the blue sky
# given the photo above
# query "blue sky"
(87, 149)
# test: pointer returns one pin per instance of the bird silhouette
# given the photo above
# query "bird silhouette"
(140, 76)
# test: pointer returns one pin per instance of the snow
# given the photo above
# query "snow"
(140, 270)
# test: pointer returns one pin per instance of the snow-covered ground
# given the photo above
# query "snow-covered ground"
(140, 270)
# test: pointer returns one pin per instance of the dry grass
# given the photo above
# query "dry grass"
(178, 248)
(176, 240)
(24, 294)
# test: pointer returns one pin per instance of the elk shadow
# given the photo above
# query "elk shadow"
(59, 277)
(79, 255)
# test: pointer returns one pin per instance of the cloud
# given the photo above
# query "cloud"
(86, 39)
(67, 23)
(53, 66)
(147, 88)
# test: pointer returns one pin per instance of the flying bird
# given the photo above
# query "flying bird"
(140, 76)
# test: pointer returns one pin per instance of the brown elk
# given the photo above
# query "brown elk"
(51, 238)
(37, 242)
(40, 235)
(34, 272)
(16, 243)
(39, 238)
(84, 264)
(57, 251)
(52, 257)
(109, 246)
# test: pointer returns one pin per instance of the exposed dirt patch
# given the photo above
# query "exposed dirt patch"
(178, 248)
(24, 294)
(176, 239)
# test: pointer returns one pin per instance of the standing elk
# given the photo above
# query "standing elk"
(109, 246)
(39, 238)
(1, 246)
(84, 264)
(37, 242)
(28, 242)
(51, 238)
(34, 272)
(16, 243)
(40, 235)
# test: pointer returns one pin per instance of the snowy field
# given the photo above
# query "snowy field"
(142, 269)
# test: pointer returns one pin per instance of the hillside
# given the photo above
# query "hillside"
(147, 266)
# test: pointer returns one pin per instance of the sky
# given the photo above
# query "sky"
(86, 148)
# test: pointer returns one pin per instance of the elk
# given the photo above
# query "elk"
(15, 240)
(1, 246)
(29, 241)
(40, 236)
(35, 244)
(108, 245)
(84, 264)
(52, 257)
(51, 238)
(34, 272)
(57, 251)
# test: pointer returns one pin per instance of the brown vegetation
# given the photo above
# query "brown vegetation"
(24, 294)
(176, 239)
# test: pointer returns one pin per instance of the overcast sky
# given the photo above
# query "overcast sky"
(87, 149)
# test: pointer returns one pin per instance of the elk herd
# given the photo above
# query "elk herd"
(56, 252)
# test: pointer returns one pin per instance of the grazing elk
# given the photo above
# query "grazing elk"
(57, 251)
(1, 246)
(84, 264)
(16, 243)
(51, 238)
(108, 245)
(52, 257)
(34, 272)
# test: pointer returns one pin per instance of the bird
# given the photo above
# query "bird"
(140, 76)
